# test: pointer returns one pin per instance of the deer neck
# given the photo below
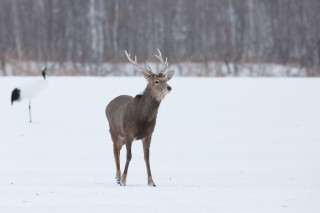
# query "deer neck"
(148, 105)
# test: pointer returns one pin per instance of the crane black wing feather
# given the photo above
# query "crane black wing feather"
(15, 95)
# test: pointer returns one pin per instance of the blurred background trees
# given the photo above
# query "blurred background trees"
(93, 32)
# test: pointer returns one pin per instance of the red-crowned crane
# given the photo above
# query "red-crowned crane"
(29, 90)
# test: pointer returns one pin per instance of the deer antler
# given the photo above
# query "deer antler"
(165, 63)
(136, 63)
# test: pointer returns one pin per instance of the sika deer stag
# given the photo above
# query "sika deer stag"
(134, 118)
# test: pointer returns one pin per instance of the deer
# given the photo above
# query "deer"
(134, 118)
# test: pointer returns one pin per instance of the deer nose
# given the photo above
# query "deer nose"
(169, 88)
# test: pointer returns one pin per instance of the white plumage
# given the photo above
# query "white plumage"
(29, 90)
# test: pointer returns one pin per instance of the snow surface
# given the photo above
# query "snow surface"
(220, 145)
(212, 68)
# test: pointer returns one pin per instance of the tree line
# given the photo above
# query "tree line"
(98, 31)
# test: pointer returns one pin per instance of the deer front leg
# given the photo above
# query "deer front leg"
(116, 153)
(146, 145)
(129, 156)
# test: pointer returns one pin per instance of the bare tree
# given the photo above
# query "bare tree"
(95, 31)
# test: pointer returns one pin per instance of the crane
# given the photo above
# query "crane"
(29, 90)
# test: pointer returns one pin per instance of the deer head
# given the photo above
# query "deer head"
(157, 83)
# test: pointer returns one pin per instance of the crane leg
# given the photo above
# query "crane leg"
(30, 111)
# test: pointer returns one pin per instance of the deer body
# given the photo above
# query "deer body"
(134, 118)
(127, 119)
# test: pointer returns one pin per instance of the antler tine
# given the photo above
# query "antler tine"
(148, 65)
(135, 62)
(165, 63)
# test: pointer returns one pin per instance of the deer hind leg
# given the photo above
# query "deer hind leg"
(117, 144)
(146, 145)
(116, 153)
(129, 156)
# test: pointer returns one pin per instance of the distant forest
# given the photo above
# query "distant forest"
(285, 32)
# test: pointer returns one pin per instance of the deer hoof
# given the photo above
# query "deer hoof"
(122, 183)
(152, 185)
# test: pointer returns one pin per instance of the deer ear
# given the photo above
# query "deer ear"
(169, 74)
(146, 75)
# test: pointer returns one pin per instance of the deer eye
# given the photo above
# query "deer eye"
(156, 82)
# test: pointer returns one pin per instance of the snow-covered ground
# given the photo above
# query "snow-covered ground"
(220, 145)
(212, 68)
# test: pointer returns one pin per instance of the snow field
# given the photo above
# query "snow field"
(220, 145)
